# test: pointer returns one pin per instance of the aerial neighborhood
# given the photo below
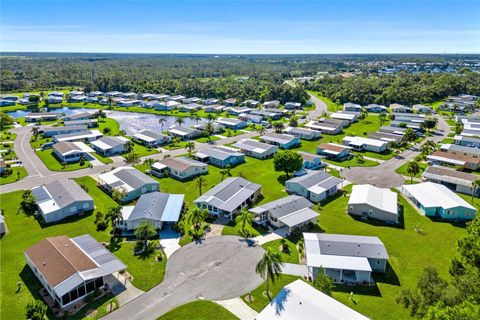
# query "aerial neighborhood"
(127, 205)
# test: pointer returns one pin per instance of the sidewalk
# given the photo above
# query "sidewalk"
(239, 308)
(271, 236)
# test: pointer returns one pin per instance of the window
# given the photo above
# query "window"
(81, 291)
(90, 286)
(73, 295)
(98, 282)
(73, 209)
(86, 205)
(144, 190)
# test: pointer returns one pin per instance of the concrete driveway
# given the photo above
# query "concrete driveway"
(219, 268)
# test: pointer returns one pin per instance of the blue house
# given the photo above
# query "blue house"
(437, 201)
(310, 162)
(221, 156)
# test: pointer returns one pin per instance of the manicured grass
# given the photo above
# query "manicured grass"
(260, 300)
(258, 171)
(142, 151)
(236, 230)
(103, 159)
(206, 140)
(353, 162)
(52, 163)
(409, 253)
(109, 123)
(403, 169)
(7, 136)
(23, 232)
(447, 141)
(232, 133)
(39, 141)
(100, 305)
(147, 272)
(17, 174)
(199, 310)
(288, 256)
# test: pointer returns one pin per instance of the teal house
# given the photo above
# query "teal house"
(437, 201)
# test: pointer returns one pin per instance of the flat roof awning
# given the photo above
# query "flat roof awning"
(447, 160)
(338, 262)
(299, 217)
(173, 208)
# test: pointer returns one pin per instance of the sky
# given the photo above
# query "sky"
(241, 26)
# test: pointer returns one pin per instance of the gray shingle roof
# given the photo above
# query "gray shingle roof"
(346, 245)
(320, 178)
(152, 206)
(253, 145)
(134, 178)
(219, 153)
(284, 206)
(278, 138)
(64, 192)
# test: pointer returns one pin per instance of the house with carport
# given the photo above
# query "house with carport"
(180, 168)
(220, 156)
(315, 185)
(256, 149)
(370, 202)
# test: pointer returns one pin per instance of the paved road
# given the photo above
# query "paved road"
(320, 107)
(220, 268)
(384, 175)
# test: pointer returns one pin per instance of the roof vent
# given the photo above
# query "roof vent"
(44, 263)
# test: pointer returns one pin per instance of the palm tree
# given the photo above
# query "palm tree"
(278, 127)
(190, 147)
(179, 121)
(196, 118)
(475, 187)
(261, 130)
(144, 231)
(209, 129)
(114, 214)
(382, 117)
(161, 122)
(148, 162)
(128, 146)
(223, 172)
(245, 218)
(210, 117)
(196, 218)
(200, 183)
(269, 267)
(110, 101)
(35, 132)
(413, 169)
(100, 114)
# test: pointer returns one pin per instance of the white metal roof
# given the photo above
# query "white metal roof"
(379, 198)
(338, 262)
(354, 140)
(298, 217)
(431, 194)
(300, 301)
(343, 116)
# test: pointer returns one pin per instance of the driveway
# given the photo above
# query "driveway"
(219, 268)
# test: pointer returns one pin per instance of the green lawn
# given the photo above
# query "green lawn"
(23, 232)
(52, 163)
(146, 272)
(199, 310)
(289, 256)
(103, 159)
(409, 253)
(39, 141)
(7, 136)
(109, 123)
(18, 173)
(354, 162)
(206, 140)
(260, 299)
(259, 171)
(236, 230)
(403, 169)
(232, 133)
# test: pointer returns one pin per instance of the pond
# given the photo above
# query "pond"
(131, 122)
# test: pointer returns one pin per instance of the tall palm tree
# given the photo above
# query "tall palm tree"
(144, 231)
(210, 117)
(269, 267)
(128, 146)
(475, 187)
(278, 127)
(161, 122)
(413, 169)
(110, 101)
(35, 132)
(209, 129)
(179, 121)
(196, 218)
(382, 117)
(200, 183)
(190, 147)
(148, 162)
(261, 130)
(114, 214)
(245, 218)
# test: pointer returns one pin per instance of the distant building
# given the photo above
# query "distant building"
(184, 133)
(231, 123)
(395, 107)
(293, 105)
(352, 107)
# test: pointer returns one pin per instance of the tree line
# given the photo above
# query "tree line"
(404, 88)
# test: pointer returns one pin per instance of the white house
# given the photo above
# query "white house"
(128, 181)
(315, 185)
(293, 212)
(156, 207)
(69, 152)
(255, 148)
(178, 167)
(351, 117)
(231, 123)
(299, 300)
(109, 146)
(345, 258)
(184, 133)
(349, 106)
(60, 199)
(229, 196)
(85, 136)
(365, 144)
(303, 133)
(151, 138)
(370, 202)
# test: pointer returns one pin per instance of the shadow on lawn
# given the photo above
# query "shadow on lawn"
(358, 289)
(32, 284)
(390, 277)
(380, 223)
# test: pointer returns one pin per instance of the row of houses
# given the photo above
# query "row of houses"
(457, 156)
(394, 107)
(463, 103)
